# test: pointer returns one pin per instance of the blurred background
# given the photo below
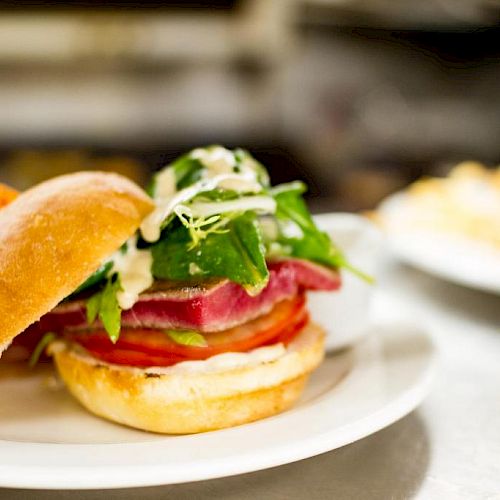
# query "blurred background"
(357, 97)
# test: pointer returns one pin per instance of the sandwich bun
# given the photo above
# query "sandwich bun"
(174, 400)
(55, 235)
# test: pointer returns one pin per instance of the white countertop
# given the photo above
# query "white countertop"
(447, 449)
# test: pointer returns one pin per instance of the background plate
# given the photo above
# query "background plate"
(453, 258)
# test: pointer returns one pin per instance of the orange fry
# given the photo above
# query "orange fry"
(7, 194)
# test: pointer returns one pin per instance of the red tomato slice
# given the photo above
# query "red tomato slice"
(133, 358)
(142, 347)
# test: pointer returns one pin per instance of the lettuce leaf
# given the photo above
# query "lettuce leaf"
(104, 304)
(237, 254)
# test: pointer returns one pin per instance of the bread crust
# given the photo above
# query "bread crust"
(179, 402)
(55, 235)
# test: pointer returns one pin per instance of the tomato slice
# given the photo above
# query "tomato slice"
(145, 347)
(133, 358)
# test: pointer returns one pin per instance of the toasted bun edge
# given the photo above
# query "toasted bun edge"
(181, 403)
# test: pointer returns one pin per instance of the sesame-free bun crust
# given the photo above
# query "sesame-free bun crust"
(55, 235)
(178, 402)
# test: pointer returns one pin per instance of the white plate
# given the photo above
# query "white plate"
(48, 441)
(459, 260)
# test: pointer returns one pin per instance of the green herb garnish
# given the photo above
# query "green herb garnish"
(40, 347)
(187, 337)
(104, 305)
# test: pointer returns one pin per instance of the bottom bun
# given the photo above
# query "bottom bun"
(198, 396)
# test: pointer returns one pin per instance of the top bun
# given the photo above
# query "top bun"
(55, 235)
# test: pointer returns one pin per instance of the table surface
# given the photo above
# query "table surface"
(448, 448)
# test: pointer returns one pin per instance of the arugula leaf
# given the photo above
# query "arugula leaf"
(93, 305)
(237, 254)
(299, 234)
(40, 347)
(104, 304)
(304, 239)
(187, 337)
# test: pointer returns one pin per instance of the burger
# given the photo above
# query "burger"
(179, 310)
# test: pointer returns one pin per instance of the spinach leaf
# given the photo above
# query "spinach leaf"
(104, 304)
(237, 254)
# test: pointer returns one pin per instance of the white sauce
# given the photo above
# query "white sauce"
(219, 163)
(165, 184)
(264, 204)
(217, 159)
(231, 360)
(134, 268)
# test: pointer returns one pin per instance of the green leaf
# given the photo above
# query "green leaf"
(299, 234)
(93, 305)
(298, 230)
(40, 347)
(187, 337)
(110, 311)
(237, 254)
(104, 304)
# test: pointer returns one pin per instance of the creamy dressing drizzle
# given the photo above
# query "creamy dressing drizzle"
(264, 204)
(134, 268)
(231, 360)
(219, 171)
